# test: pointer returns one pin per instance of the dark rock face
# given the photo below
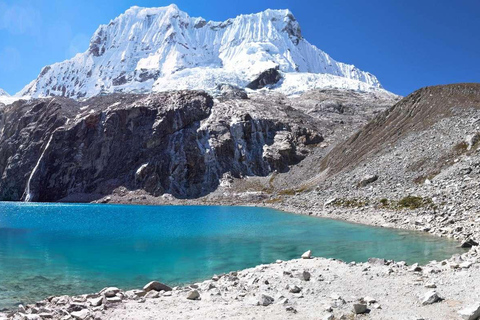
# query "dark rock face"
(97, 47)
(178, 143)
(268, 77)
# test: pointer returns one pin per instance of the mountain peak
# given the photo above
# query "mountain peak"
(163, 48)
(3, 93)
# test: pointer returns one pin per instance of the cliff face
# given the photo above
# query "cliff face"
(178, 143)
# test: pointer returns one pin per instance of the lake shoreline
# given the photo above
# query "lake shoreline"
(461, 229)
(237, 302)
(315, 288)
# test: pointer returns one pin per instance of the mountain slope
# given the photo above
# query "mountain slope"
(5, 98)
(424, 127)
(3, 93)
(164, 48)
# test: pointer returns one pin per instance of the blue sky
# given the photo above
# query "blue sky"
(407, 44)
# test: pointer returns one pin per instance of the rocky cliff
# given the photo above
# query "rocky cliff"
(180, 143)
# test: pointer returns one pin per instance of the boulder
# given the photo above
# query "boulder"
(307, 254)
(305, 275)
(465, 265)
(115, 299)
(415, 268)
(95, 302)
(469, 243)
(110, 292)
(152, 294)
(157, 286)
(291, 309)
(80, 315)
(431, 297)
(471, 312)
(360, 308)
(132, 294)
(193, 295)
(295, 289)
(367, 180)
(265, 300)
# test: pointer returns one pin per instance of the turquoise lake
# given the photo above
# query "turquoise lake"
(54, 249)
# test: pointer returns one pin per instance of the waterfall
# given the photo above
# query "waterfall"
(28, 194)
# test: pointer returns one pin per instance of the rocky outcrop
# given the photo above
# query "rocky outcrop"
(266, 78)
(178, 143)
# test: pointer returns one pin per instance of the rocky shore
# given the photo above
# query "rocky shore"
(306, 288)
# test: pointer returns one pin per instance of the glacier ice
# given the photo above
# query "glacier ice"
(159, 49)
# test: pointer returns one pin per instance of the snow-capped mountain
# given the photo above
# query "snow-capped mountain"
(161, 49)
(5, 97)
(3, 93)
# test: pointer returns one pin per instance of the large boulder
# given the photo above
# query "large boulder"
(471, 312)
(431, 297)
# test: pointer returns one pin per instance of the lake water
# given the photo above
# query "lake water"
(54, 249)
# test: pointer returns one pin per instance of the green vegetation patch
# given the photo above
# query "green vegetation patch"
(408, 202)
(292, 192)
(411, 202)
(351, 203)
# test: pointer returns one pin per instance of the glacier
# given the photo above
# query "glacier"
(158, 49)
